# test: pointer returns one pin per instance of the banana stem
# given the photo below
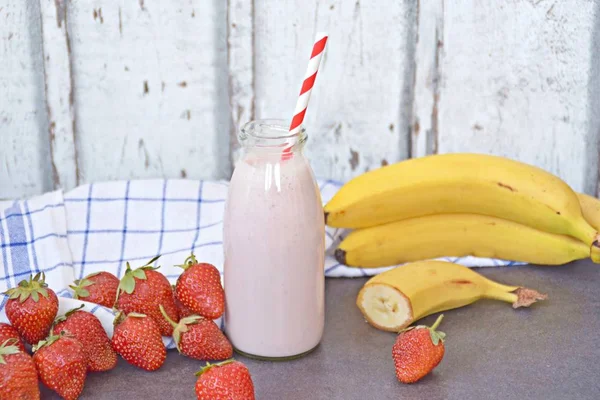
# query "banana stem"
(499, 294)
(518, 297)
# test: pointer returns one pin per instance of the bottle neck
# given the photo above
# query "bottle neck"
(270, 137)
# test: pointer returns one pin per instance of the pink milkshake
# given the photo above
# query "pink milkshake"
(274, 247)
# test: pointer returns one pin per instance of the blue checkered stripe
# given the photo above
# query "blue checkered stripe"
(33, 238)
(112, 223)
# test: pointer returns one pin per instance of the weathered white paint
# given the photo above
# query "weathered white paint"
(515, 83)
(24, 154)
(59, 93)
(145, 89)
(430, 27)
(358, 115)
(150, 81)
(240, 60)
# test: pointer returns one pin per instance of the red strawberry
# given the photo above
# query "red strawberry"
(417, 351)
(229, 380)
(9, 332)
(62, 364)
(182, 310)
(86, 327)
(18, 376)
(137, 339)
(142, 290)
(99, 288)
(31, 308)
(199, 288)
(200, 338)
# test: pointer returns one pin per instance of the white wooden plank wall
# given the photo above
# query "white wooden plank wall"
(24, 139)
(150, 88)
(102, 89)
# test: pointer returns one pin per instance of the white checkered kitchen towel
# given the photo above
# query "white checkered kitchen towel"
(99, 227)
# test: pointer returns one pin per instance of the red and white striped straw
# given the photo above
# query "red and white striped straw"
(307, 84)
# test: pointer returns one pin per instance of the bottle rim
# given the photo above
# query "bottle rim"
(271, 133)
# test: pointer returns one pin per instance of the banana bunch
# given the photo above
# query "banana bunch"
(459, 205)
(396, 298)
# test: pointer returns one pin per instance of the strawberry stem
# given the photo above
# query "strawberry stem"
(436, 336)
(210, 366)
(204, 369)
(191, 260)
(437, 322)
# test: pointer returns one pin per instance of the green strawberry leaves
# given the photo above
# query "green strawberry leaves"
(33, 287)
(191, 260)
(120, 317)
(68, 314)
(79, 287)
(152, 262)
(80, 292)
(7, 348)
(127, 283)
(47, 342)
(139, 273)
(181, 327)
(209, 366)
(436, 336)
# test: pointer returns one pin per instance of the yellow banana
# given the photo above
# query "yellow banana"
(456, 235)
(590, 207)
(396, 298)
(462, 183)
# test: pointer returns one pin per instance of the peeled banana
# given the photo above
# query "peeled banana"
(462, 183)
(457, 235)
(396, 298)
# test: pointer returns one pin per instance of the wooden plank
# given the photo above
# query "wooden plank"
(59, 94)
(515, 83)
(240, 62)
(430, 27)
(359, 112)
(150, 81)
(24, 154)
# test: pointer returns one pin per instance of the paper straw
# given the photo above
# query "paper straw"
(307, 85)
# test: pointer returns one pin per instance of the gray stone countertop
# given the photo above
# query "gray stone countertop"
(492, 351)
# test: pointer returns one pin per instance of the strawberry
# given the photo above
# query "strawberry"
(229, 380)
(199, 288)
(62, 364)
(86, 327)
(31, 308)
(137, 339)
(99, 288)
(142, 290)
(182, 310)
(417, 351)
(9, 332)
(200, 338)
(18, 376)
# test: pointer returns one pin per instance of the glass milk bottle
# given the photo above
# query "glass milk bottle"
(274, 247)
